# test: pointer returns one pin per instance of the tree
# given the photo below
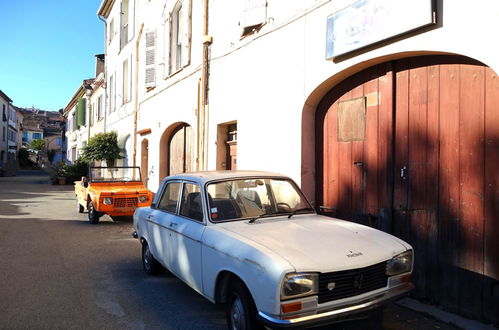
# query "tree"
(103, 146)
(37, 144)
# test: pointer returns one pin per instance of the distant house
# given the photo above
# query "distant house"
(85, 112)
(5, 104)
(45, 125)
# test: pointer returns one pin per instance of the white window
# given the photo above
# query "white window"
(99, 107)
(124, 24)
(180, 36)
(111, 30)
(112, 96)
(126, 82)
(150, 66)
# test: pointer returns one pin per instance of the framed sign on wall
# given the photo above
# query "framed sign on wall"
(367, 22)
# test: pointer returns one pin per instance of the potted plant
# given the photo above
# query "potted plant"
(61, 172)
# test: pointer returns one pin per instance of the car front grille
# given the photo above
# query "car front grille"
(352, 282)
(125, 202)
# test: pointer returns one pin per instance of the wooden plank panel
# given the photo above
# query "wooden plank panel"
(472, 189)
(448, 184)
(433, 261)
(357, 171)
(401, 149)
(371, 146)
(417, 154)
(491, 223)
(331, 187)
(385, 147)
(345, 174)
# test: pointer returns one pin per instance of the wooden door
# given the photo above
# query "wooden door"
(181, 156)
(426, 168)
(356, 121)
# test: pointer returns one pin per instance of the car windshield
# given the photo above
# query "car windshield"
(113, 174)
(255, 198)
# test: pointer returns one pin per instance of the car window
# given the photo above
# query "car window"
(254, 197)
(168, 201)
(191, 205)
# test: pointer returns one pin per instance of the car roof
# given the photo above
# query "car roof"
(207, 176)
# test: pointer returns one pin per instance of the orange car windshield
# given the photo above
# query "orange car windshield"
(114, 174)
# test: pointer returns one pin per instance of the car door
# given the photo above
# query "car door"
(185, 242)
(161, 220)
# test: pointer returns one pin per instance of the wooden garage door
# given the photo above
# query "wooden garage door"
(412, 147)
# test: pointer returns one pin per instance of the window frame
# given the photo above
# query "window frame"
(180, 29)
(163, 192)
(181, 200)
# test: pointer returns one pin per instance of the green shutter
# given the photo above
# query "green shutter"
(80, 112)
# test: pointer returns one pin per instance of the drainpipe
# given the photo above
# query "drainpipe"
(105, 70)
(136, 95)
(203, 109)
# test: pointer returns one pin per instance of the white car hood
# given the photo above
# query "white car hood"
(318, 243)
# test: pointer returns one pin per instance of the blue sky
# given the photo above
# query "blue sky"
(47, 48)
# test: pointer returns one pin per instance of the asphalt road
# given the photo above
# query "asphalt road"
(59, 272)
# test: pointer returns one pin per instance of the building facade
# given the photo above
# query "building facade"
(5, 105)
(85, 113)
(385, 114)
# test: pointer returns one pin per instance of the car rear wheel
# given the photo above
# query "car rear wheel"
(150, 264)
(240, 308)
(93, 215)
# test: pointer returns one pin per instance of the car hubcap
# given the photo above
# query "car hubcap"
(237, 314)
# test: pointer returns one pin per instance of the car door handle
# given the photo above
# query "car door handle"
(150, 217)
(173, 224)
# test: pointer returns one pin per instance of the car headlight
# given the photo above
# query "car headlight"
(107, 201)
(142, 199)
(299, 284)
(399, 264)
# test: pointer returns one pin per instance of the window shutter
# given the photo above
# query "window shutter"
(150, 59)
(80, 112)
(186, 33)
(131, 19)
(170, 43)
(254, 12)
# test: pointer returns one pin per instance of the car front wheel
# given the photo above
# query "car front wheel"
(81, 208)
(240, 308)
(93, 214)
(150, 264)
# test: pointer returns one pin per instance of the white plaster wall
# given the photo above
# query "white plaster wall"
(266, 81)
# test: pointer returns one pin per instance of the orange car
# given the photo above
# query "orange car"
(115, 191)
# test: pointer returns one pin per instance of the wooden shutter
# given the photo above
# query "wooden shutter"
(131, 20)
(186, 32)
(170, 43)
(150, 58)
(80, 112)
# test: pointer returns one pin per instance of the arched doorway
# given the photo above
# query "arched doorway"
(177, 150)
(410, 146)
(144, 161)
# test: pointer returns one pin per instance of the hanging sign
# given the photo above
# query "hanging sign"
(366, 22)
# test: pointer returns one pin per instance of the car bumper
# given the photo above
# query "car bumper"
(357, 310)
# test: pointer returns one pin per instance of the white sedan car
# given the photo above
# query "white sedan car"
(252, 241)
